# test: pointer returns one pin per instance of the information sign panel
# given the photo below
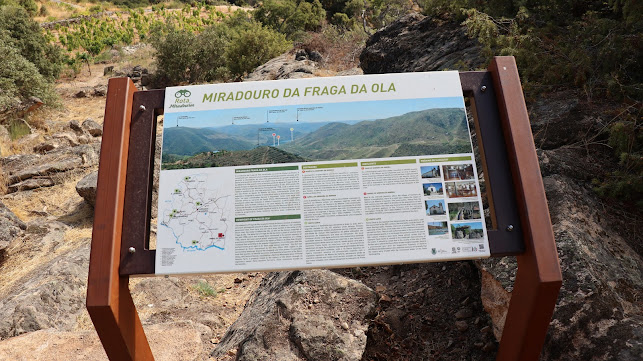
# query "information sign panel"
(373, 169)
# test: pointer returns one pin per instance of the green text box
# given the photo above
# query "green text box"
(329, 165)
(266, 169)
(389, 162)
(445, 159)
(268, 218)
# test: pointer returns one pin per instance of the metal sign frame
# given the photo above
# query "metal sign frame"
(521, 224)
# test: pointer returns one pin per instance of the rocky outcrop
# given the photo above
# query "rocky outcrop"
(419, 43)
(302, 315)
(284, 67)
(10, 227)
(30, 171)
(86, 187)
(52, 295)
(598, 315)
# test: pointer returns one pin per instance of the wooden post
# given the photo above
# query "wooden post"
(109, 301)
(538, 279)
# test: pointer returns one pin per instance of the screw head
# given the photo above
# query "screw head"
(132, 250)
(142, 108)
(483, 88)
(510, 228)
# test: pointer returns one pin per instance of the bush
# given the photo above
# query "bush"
(43, 10)
(223, 51)
(20, 79)
(291, 16)
(24, 34)
(595, 46)
(30, 6)
(252, 47)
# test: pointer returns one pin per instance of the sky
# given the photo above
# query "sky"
(348, 111)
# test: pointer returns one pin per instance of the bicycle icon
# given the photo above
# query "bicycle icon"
(182, 93)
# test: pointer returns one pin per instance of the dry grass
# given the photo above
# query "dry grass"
(61, 203)
(340, 49)
(59, 11)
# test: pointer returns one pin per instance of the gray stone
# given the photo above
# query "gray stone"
(281, 321)
(283, 67)
(419, 43)
(66, 139)
(45, 147)
(108, 70)
(52, 295)
(75, 125)
(86, 187)
(461, 326)
(353, 71)
(100, 90)
(81, 94)
(93, 128)
(31, 183)
(10, 226)
(42, 168)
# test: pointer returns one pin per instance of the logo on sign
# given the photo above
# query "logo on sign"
(182, 99)
(183, 93)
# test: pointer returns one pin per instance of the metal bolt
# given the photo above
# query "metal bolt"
(483, 88)
(510, 228)
(132, 250)
(142, 108)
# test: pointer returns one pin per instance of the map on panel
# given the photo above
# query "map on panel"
(196, 215)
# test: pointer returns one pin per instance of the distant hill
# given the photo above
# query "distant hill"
(249, 132)
(431, 131)
(257, 156)
(191, 141)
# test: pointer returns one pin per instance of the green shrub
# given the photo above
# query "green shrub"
(21, 32)
(221, 52)
(17, 129)
(252, 47)
(205, 290)
(44, 11)
(20, 79)
(30, 6)
(290, 16)
(594, 46)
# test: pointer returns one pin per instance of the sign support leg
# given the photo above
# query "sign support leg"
(539, 277)
(109, 301)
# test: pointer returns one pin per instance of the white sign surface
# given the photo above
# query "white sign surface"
(323, 172)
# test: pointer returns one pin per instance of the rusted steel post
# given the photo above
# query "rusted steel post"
(538, 279)
(109, 301)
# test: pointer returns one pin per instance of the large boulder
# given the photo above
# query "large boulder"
(302, 315)
(48, 294)
(29, 171)
(419, 43)
(283, 67)
(10, 226)
(86, 188)
(598, 315)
